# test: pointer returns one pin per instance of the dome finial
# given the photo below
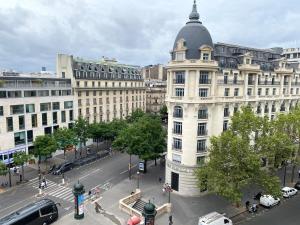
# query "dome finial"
(194, 14)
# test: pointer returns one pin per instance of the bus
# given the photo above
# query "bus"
(42, 212)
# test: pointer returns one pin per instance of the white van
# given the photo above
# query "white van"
(268, 200)
(214, 218)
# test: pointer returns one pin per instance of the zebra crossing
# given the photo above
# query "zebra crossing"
(56, 190)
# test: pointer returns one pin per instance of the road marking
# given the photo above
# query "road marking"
(95, 171)
(128, 170)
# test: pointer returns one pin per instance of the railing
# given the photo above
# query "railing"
(230, 82)
(176, 148)
(204, 81)
(31, 85)
(202, 116)
(177, 115)
(202, 150)
(202, 133)
(179, 132)
(178, 81)
(268, 83)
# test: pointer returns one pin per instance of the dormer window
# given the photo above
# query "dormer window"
(205, 56)
(247, 61)
(180, 56)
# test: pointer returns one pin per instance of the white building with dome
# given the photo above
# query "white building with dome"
(206, 84)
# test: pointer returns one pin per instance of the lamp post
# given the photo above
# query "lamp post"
(285, 163)
(169, 189)
(138, 179)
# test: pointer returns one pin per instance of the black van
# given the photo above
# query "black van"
(63, 168)
(42, 212)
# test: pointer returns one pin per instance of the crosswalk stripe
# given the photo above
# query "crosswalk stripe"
(61, 193)
(56, 189)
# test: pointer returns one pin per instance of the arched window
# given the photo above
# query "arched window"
(203, 113)
(178, 112)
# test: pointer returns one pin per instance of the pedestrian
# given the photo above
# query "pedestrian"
(90, 192)
(299, 174)
(97, 207)
(159, 179)
(45, 182)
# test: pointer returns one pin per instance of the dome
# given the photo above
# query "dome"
(194, 34)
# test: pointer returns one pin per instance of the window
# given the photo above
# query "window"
(85, 84)
(9, 124)
(29, 93)
(225, 78)
(29, 136)
(201, 145)
(45, 106)
(247, 61)
(226, 112)
(14, 94)
(297, 91)
(68, 104)
(179, 77)
(179, 56)
(177, 127)
(177, 112)
(44, 119)
(266, 108)
(55, 106)
(235, 109)
(274, 91)
(235, 78)
(273, 107)
(201, 129)
(226, 92)
(63, 74)
(34, 120)
(204, 78)
(46, 210)
(202, 113)
(63, 116)
(21, 123)
(20, 138)
(249, 91)
(177, 144)
(43, 93)
(179, 92)
(1, 110)
(201, 160)
(292, 91)
(205, 56)
(30, 108)
(78, 84)
(176, 158)
(87, 93)
(203, 92)
(259, 91)
(54, 117)
(236, 92)
(225, 125)
(267, 91)
(16, 109)
(71, 116)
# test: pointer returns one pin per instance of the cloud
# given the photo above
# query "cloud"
(136, 32)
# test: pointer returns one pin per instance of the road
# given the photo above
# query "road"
(103, 173)
(287, 213)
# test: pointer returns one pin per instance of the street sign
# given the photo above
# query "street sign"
(141, 166)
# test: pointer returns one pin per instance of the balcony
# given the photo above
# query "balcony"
(202, 132)
(177, 148)
(202, 150)
(205, 81)
(248, 67)
(176, 131)
(178, 81)
(33, 84)
(251, 82)
(231, 82)
(268, 83)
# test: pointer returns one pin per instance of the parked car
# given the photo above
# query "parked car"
(268, 201)
(297, 185)
(214, 218)
(288, 192)
(63, 168)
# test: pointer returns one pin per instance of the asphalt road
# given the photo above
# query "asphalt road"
(103, 173)
(287, 213)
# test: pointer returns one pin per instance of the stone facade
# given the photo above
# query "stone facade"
(103, 89)
(203, 93)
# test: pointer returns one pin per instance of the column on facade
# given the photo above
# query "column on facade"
(197, 84)
(186, 84)
(213, 83)
(255, 85)
(281, 84)
(170, 84)
(290, 85)
(245, 84)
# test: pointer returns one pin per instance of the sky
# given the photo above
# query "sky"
(136, 32)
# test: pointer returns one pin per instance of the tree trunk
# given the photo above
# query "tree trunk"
(129, 169)
(293, 172)
(145, 166)
(22, 172)
(155, 163)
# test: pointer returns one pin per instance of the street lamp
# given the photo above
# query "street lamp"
(168, 189)
(138, 179)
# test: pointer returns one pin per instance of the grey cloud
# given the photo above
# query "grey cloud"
(134, 31)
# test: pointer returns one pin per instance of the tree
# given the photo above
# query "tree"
(3, 169)
(135, 116)
(81, 129)
(232, 165)
(144, 137)
(65, 138)
(44, 146)
(20, 158)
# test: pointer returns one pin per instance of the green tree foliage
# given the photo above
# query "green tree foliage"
(20, 158)
(233, 165)
(81, 129)
(144, 137)
(65, 138)
(44, 146)
(3, 169)
(135, 116)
